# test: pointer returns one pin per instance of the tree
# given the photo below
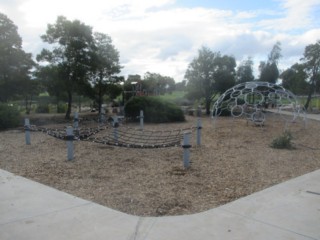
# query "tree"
(72, 52)
(28, 89)
(157, 84)
(15, 64)
(311, 61)
(245, 71)
(49, 78)
(294, 79)
(269, 71)
(209, 74)
(130, 85)
(105, 65)
(181, 86)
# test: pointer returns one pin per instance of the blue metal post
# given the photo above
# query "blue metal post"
(115, 125)
(76, 120)
(141, 119)
(27, 130)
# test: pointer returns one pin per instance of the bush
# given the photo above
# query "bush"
(62, 108)
(283, 141)
(43, 108)
(9, 117)
(154, 109)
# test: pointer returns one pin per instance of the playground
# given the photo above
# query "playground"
(234, 160)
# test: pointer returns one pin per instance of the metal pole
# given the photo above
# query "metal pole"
(199, 127)
(141, 119)
(27, 130)
(70, 142)
(115, 125)
(186, 149)
(76, 120)
(115, 133)
(102, 117)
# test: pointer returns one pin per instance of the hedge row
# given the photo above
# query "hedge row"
(155, 110)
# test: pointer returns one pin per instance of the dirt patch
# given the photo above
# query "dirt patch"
(234, 160)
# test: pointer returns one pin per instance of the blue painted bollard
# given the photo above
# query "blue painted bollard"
(27, 130)
(76, 120)
(141, 119)
(69, 139)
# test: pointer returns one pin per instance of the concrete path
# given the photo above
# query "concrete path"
(310, 116)
(29, 210)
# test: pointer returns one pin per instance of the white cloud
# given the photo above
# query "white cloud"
(157, 36)
(295, 15)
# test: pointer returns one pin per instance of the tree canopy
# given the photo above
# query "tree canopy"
(15, 64)
(208, 74)
(72, 53)
(269, 71)
(105, 65)
(311, 61)
(245, 71)
(294, 79)
(81, 62)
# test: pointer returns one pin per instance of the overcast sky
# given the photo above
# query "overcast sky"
(163, 36)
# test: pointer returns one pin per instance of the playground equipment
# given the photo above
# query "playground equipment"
(252, 100)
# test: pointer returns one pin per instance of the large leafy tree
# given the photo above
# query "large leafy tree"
(15, 64)
(209, 74)
(157, 84)
(130, 86)
(71, 52)
(269, 71)
(294, 79)
(106, 64)
(245, 71)
(53, 83)
(311, 61)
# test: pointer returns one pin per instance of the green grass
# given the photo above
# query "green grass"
(173, 96)
(315, 102)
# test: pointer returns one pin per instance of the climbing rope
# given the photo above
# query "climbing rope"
(121, 136)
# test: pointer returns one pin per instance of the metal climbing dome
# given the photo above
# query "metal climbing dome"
(251, 99)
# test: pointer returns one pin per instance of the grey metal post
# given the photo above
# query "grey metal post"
(141, 119)
(27, 130)
(102, 117)
(76, 120)
(199, 127)
(115, 125)
(186, 149)
(115, 133)
(70, 142)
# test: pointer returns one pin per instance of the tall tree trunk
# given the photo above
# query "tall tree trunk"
(311, 89)
(99, 100)
(306, 105)
(68, 113)
(208, 103)
(79, 103)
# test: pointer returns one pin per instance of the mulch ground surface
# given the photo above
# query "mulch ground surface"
(234, 160)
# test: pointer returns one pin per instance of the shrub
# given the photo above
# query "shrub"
(61, 108)
(154, 109)
(43, 108)
(283, 141)
(9, 116)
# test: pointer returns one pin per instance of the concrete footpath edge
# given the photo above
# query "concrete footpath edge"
(30, 210)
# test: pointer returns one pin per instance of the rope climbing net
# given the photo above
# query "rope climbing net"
(121, 136)
(136, 138)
